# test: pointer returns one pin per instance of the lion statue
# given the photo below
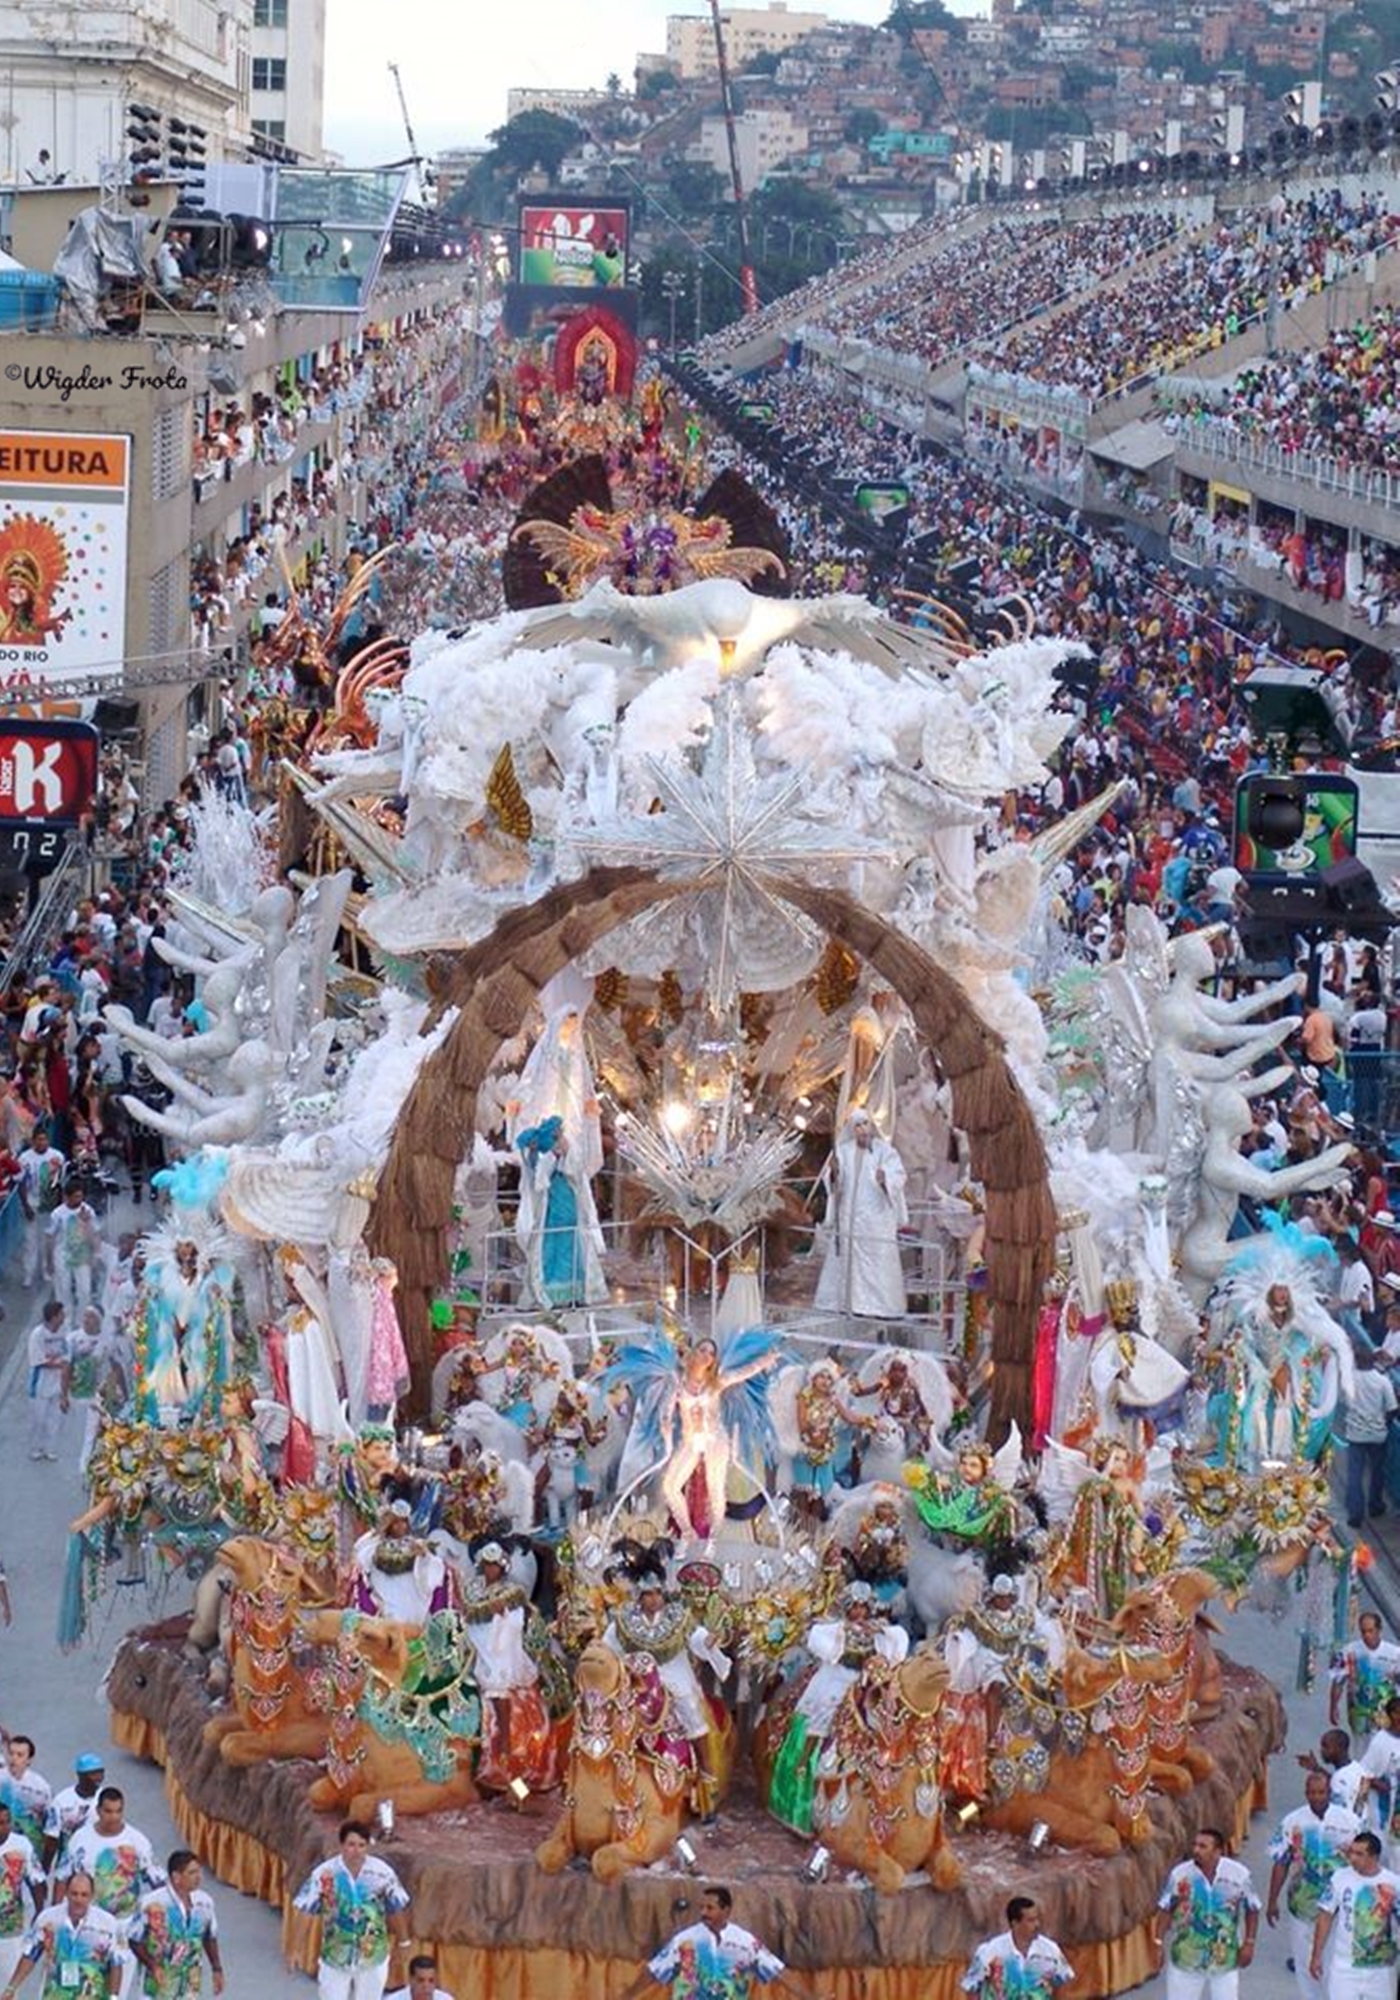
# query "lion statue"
(630, 1774)
(404, 1714)
(878, 1804)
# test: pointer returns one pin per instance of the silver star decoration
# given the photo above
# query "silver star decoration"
(724, 828)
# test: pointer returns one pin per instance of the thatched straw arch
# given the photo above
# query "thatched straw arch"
(495, 983)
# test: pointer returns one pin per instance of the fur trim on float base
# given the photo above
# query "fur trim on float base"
(259, 1832)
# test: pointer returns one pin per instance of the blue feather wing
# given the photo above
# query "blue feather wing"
(651, 1372)
(744, 1408)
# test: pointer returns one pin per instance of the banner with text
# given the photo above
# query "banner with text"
(64, 504)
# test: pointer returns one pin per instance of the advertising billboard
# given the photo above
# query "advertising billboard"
(573, 245)
(64, 499)
(48, 780)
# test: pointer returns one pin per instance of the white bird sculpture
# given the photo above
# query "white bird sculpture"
(721, 620)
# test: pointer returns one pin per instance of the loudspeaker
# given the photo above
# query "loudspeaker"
(117, 716)
(1350, 885)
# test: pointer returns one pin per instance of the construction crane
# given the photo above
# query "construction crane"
(424, 192)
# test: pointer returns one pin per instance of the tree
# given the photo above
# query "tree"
(907, 17)
(657, 82)
(694, 189)
(765, 63)
(863, 125)
(613, 86)
(535, 139)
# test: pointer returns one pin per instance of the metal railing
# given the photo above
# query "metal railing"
(681, 1274)
(45, 918)
(1220, 438)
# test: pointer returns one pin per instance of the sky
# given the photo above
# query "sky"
(457, 64)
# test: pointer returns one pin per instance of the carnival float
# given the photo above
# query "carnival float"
(689, 1336)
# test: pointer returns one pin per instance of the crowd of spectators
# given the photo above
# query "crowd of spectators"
(1340, 400)
(963, 292)
(1162, 709)
(1196, 299)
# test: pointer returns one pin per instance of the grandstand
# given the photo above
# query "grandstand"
(1220, 370)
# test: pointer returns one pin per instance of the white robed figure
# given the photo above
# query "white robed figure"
(862, 1274)
(555, 1129)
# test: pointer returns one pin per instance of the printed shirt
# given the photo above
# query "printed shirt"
(1206, 1915)
(121, 1865)
(76, 1957)
(1365, 1908)
(1369, 1673)
(1380, 1760)
(1000, 1970)
(68, 1810)
(354, 1910)
(19, 1870)
(174, 1937)
(74, 1231)
(28, 1799)
(1314, 1849)
(700, 1966)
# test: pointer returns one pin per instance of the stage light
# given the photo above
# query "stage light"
(817, 1867)
(676, 1117)
(519, 1791)
(687, 1860)
(384, 1818)
(1038, 1837)
(967, 1812)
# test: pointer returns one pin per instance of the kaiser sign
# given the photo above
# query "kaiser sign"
(48, 780)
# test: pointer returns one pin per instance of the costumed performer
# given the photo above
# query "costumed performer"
(687, 1405)
(397, 1574)
(554, 1126)
(841, 1647)
(516, 1738)
(1296, 1360)
(183, 1322)
(862, 1275)
(657, 1623)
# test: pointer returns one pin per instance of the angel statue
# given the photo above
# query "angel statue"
(966, 1496)
(913, 1402)
(1208, 1241)
(1162, 1041)
(862, 1274)
(810, 1418)
(554, 1127)
(1094, 1499)
(524, 1366)
(696, 1410)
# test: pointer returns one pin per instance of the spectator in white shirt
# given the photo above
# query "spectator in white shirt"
(1365, 1429)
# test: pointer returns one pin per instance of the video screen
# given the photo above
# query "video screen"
(573, 246)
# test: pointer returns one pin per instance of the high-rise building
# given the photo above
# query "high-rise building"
(748, 32)
(288, 82)
(67, 94)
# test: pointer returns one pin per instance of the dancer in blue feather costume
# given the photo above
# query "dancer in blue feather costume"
(696, 1408)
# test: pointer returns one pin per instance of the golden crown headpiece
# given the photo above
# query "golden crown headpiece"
(1121, 1297)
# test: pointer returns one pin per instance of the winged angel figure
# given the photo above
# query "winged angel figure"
(1156, 1044)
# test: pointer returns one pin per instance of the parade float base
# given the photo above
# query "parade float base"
(502, 1930)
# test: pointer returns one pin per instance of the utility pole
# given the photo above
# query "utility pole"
(746, 276)
(673, 290)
